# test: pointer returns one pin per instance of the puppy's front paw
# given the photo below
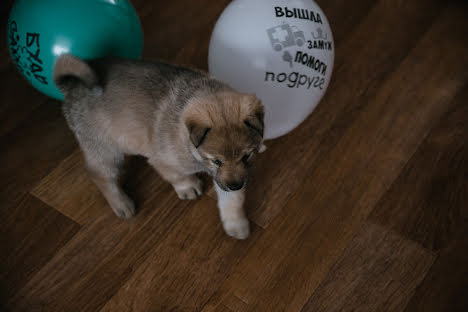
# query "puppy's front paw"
(237, 228)
(190, 189)
(262, 148)
(124, 208)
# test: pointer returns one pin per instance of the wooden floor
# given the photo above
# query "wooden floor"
(364, 207)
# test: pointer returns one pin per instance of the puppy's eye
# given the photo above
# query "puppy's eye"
(246, 157)
(217, 162)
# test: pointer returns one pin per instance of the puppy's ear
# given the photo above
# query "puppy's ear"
(255, 114)
(197, 132)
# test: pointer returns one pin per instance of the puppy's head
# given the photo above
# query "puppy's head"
(226, 133)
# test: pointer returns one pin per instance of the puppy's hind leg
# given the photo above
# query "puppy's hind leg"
(104, 170)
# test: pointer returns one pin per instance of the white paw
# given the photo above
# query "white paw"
(237, 228)
(262, 148)
(189, 190)
(124, 208)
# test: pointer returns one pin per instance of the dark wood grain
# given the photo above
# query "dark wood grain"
(103, 254)
(344, 16)
(30, 234)
(234, 303)
(169, 26)
(205, 256)
(428, 201)
(222, 308)
(29, 152)
(444, 288)
(69, 189)
(428, 204)
(18, 101)
(378, 271)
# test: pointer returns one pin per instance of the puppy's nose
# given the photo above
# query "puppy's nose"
(234, 186)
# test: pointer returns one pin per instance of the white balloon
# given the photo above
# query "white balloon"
(282, 51)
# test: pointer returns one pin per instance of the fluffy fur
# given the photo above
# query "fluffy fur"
(181, 120)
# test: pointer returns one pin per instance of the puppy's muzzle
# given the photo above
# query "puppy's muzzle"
(231, 186)
(235, 186)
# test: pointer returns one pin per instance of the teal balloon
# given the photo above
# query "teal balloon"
(39, 31)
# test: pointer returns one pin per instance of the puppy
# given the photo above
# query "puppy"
(183, 121)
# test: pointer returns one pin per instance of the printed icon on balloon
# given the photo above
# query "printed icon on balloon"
(287, 57)
(320, 34)
(284, 36)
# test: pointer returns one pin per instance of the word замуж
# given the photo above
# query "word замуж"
(311, 62)
(298, 13)
(320, 45)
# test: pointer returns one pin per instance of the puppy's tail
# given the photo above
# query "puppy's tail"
(72, 73)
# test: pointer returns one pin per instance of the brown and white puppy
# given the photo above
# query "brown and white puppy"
(181, 120)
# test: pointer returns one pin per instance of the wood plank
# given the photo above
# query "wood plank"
(344, 16)
(337, 196)
(222, 308)
(205, 256)
(369, 157)
(30, 234)
(378, 271)
(69, 190)
(194, 52)
(103, 254)
(428, 202)
(363, 60)
(444, 288)
(18, 101)
(31, 151)
(169, 26)
(234, 303)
